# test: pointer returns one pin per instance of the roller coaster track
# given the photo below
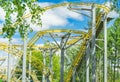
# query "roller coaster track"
(32, 74)
(15, 49)
(86, 37)
(106, 9)
(81, 53)
(41, 33)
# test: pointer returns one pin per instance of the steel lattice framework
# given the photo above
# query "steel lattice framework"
(98, 25)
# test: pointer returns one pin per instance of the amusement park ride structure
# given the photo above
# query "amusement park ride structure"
(86, 40)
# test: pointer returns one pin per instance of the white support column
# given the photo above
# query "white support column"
(62, 66)
(87, 63)
(51, 53)
(30, 66)
(51, 65)
(24, 57)
(44, 62)
(105, 50)
(9, 62)
(74, 76)
(93, 43)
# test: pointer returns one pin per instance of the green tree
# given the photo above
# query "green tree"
(113, 46)
(116, 5)
(20, 24)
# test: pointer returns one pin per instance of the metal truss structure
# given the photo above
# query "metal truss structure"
(67, 38)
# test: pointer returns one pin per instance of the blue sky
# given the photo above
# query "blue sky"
(59, 1)
(55, 19)
(59, 18)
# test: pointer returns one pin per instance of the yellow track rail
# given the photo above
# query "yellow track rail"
(15, 51)
(105, 8)
(82, 51)
(41, 33)
(33, 75)
(83, 47)
(2, 58)
(39, 65)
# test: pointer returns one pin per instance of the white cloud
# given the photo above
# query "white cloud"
(13, 60)
(113, 14)
(108, 4)
(14, 40)
(51, 18)
(44, 4)
(56, 17)
(2, 14)
(1, 28)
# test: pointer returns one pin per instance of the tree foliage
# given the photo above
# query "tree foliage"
(116, 5)
(19, 7)
(113, 48)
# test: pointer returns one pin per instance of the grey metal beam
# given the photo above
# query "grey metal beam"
(105, 50)
(30, 66)
(24, 57)
(9, 62)
(73, 43)
(93, 43)
(54, 40)
(44, 62)
(87, 63)
(67, 35)
(51, 53)
(74, 76)
(62, 45)
(51, 64)
(62, 66)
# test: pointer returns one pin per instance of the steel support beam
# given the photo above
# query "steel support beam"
(87, 63)
(51, 64)
(74, 76)
(24, 57)
(93, 43)
(63, 42)
(30, 66)
(105, 50)
(62, 66)
(9, 62)
(62, 45)
(44, 62)
(51, 53)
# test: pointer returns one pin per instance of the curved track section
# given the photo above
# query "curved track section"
(85, 36)
(41, 33)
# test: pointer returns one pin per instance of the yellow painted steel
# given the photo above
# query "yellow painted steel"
(41, 33)
(2, 58)
(105, 8)
(17, 52)
(35, 38)
(32, 74)
(39, 65)
(83, 46)
(82, 50)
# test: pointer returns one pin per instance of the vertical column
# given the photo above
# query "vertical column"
(51, 53)
(9, 62)
(93, 43)
(51, 60)
(44, 62)
(87, 63)
(30, 66)
(62, 66)
(105, 50)
(74, 76)
(24, 58)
